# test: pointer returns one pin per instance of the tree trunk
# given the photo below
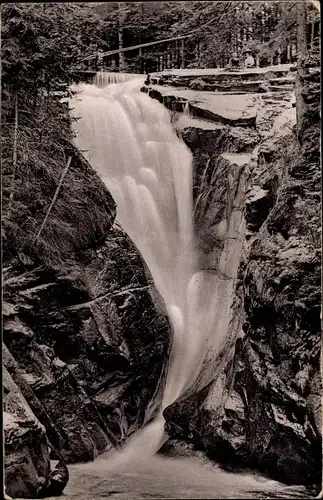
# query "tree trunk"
(197, 52)
(301, 54)
(168, 56)
(182, 54)
(141, 68)
(312, 34)
(121, 16)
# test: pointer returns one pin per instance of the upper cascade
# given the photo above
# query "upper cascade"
(104, 78)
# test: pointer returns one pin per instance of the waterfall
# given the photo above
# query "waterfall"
(104, 78)
(186, 111)
(128, 139)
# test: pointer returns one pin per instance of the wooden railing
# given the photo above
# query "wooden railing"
(170, 55)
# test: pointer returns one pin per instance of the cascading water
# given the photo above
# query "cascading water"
(129, 140)
(102, 78)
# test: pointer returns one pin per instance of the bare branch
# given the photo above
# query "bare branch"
(54, 197)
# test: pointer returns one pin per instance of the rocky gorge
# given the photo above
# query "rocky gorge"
(86, 344)
(76, 383)
(262, 410)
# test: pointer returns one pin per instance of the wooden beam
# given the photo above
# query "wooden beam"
(133, 47)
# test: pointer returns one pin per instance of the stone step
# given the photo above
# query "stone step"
(212, 76)
(264, 83)
(260, 86)
(279, 88)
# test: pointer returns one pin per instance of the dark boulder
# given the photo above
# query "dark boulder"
(58, 479)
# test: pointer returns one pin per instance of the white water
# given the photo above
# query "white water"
(161, 477)
(130, 142)
(103, 78)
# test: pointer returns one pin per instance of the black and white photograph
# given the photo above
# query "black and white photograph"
(161, 250)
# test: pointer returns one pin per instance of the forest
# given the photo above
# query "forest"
(43, 47)
(88, 315)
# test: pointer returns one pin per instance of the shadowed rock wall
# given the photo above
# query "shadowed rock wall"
(262, 409)
(86, 345)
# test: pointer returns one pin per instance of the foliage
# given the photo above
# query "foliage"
(226, 24)
(285, 31)
(83, 210)
(139, 22)
(215, 27)
(40, 45)
(142, 22)
(309, 124)
(41, 42)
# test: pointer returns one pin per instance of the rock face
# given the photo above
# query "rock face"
(86, 345)
(235, 82)
(261, 410)
(280, 354)
(26, 462)
(58, 479)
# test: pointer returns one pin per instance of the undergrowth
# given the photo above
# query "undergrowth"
(309, 126)
(37, 141)
(84, 209)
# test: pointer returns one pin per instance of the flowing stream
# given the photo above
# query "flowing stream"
(128, 139)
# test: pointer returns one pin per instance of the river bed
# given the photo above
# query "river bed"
(160, 477)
